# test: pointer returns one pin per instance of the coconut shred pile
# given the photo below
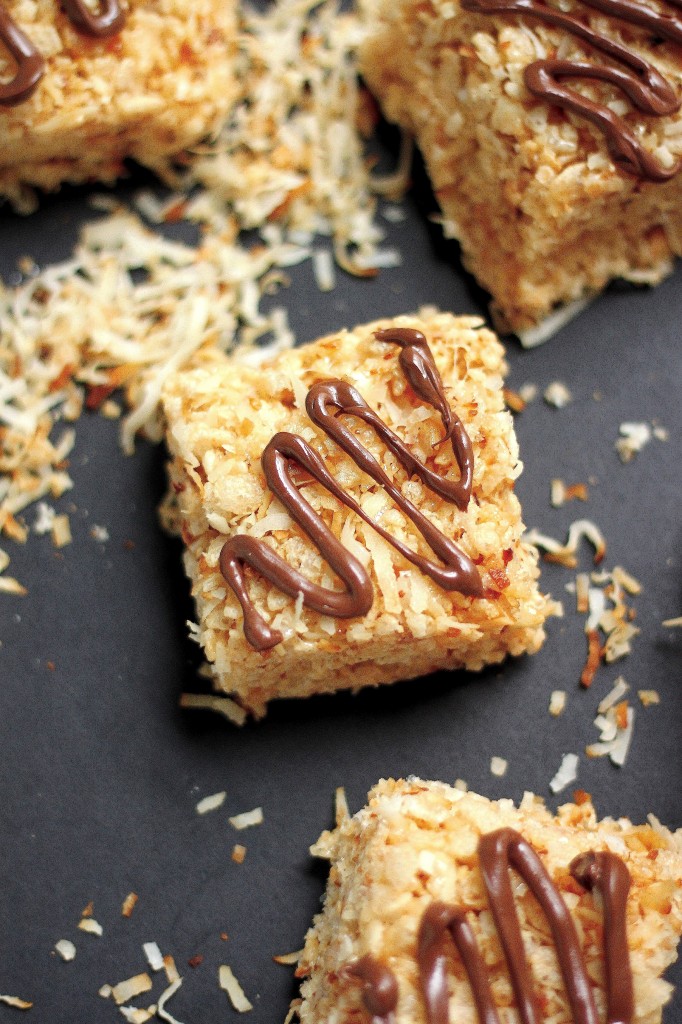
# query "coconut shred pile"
(131, 306)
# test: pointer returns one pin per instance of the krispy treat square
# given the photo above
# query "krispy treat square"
(343, 607)
(425, 923)
(84, 86)
(552, 136)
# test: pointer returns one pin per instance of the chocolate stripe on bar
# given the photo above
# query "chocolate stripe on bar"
(646, 88)
(324, 404)
(498, 852)
(30, 65)
(108, 21)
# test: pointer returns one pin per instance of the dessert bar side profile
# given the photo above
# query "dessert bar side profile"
(382, 457)
(444, 906)
(552, 136)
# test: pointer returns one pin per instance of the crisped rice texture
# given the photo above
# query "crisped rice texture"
(162, 84)
(221, 415)
(530, 192)
(416, 842)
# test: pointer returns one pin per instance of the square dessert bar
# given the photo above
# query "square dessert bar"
(425, 533)
(550, 177)
(425, 923)
(84, 86)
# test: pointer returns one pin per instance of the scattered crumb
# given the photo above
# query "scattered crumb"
(196, 960)
(557, 394)
(461, 785)
(247, 818)
(238, 853)
(211, 803)
(66, 949)
(99, 533)
(557, 702)
(498, 766)
(649, 697)
(45, 516)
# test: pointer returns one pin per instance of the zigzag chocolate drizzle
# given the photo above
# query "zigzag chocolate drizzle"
(646, 88)
(30, 65)
(498, 851)
(324, 404)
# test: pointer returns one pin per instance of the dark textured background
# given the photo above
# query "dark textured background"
(100, 772)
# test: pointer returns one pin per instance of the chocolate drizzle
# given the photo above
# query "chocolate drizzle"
(379, 987)
(30, 65)
(646, 88)
(325, 403)
(498, 851)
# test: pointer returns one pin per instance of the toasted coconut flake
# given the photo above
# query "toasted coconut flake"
(16, 1002)
(513, 400)
(247, 819)
(621, 744)
(531, 337)
(153, 955)
(104, 991)
(649, 697)
(672, 623)
(288, 959)
(130, 988)
(625, 580)
(565, 553)
(89, 925)
(567, 773)
(172, 973)
(135, 1014)
(161, 1011)
(293, 1012)
(557, 394)
(620, 688)
(210, 702)
(557, 702)
(498, 766)
(633, 437)
(557, 493)
(10, 585)
(341, 809)
(128, 904)
(66, 949)
(211, 803)
(582, 593)
(594, 657)
(235, 992)
(89, 910)
(323, 269)
(61, 531)
(238, 853)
